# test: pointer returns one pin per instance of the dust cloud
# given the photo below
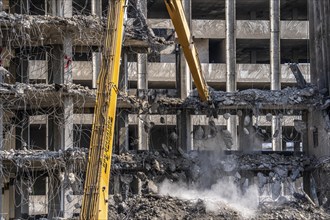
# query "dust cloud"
(223, 193)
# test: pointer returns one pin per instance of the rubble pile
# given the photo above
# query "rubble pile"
(300, 209)
(165, 207)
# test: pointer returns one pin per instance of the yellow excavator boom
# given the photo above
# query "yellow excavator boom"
(96, 190)
(175, 10)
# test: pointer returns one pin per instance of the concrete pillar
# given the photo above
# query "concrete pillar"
(277, 133)
(11, 199)
(231, 62)
(275, 67)
(20, 6)
(142, 81)
(64, 8)
(1, 134)
(184, 86)
(96, 55)
(319, 43)
(21, 141)
(61, 124)
(8, 201)
(22, 130)
(22, 59)
(317, 119)
(122, 139)
(246, 138)
(21, 198)
(142, 84)
(97, 7)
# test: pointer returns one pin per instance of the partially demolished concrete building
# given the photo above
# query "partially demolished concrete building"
(267, 63)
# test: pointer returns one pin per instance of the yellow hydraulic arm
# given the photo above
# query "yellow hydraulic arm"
(175, 10)
(96, 190)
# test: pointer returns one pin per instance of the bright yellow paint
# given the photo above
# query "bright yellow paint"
(175, 10)
(96, 191)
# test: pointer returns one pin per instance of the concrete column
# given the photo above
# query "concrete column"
(8, 201)
(21, 6)
(142, 84)
(231, 62)
(97, 7)
(61, 124)
(246, 138)
(122, 114)
(22, 130)
(142, 81)
(21, 141)
(21, 198)
(11, 199)
(275, 67)
(185, 76)
(96, 55)
(22, 59)
(319, 43)
(184, 86)
(64, 8)
(1, 134)
(276, 133)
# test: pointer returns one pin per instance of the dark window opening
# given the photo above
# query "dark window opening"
(82, 135)
(315, 137)
(38, 136)
(294, 51)
(253, 51)
(161, 134)
(81, 7)
(217, 51)
(39, 186)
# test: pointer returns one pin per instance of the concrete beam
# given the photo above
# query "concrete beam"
(245, 29)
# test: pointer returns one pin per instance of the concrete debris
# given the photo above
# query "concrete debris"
(301, 82)
(165, 207)
(226, 116)
(306, 97)
(300, 126)
(269, 117)
(22, 89)
(247, 121)
(38, 28)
